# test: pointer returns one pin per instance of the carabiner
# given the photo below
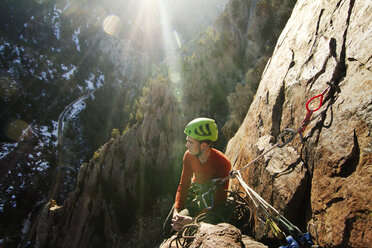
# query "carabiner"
(283, 137)
(204, 200)
(315, 230)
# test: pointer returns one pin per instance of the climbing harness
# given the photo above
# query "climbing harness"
(200, 196)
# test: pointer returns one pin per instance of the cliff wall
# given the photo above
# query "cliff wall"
(326, 179)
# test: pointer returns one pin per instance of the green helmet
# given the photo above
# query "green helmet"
(202, 129)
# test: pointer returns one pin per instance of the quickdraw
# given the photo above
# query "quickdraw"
(330, 89)
(310, 111)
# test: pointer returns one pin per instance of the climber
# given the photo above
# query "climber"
(201, 164)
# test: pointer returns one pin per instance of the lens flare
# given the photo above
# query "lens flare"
(8, 87)
(177, 38)
(111, 24)
(14, 129)
(175, 77)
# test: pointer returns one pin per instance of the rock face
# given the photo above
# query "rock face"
(327, 178)
(222, 235)
(216, 236)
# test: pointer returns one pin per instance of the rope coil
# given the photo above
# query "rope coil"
(235, 211)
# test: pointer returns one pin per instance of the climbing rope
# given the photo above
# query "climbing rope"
(275, 220)
(187, 233)
(275, 229)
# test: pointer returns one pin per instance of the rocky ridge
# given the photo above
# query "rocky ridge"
(120, 182)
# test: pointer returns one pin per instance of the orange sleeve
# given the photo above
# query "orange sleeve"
(183, 187)
(223, 170)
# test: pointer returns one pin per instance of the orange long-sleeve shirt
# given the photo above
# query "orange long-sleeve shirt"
(217, 166)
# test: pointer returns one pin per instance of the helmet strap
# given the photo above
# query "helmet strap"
(202, 151)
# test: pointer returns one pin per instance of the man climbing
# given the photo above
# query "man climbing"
(201, 164)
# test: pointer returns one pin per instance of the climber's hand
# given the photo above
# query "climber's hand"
(179, 221)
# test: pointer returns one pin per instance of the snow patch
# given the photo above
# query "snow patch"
(56, 22)
(100, 80)
(51, 73)
(26, 225)
(90, 84)
(68, 74)
(80, 88)
(55, 128)
(44, 76)
(41, 166)
(10, 189)
(6, 148)
(44, 131)
(75, 39)
(75, 109)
